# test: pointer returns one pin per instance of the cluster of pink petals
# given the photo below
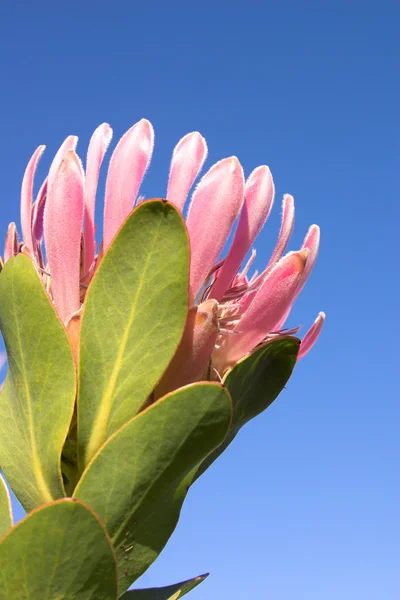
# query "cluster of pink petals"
(250, 310)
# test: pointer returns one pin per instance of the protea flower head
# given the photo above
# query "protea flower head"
(230, 312)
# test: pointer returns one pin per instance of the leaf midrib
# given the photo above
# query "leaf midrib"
(125, 522)
(98, 435)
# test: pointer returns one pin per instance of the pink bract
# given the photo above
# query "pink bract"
(246, 310)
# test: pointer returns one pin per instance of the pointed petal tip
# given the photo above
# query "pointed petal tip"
(98, 146)
(192, 136)
(234, 162)
(295, 260)
(187, 161)
(11, 243)
(261, 178)
(303, 255)
(147, 129)
(71, 162)
(128, 165)
(106, 132)
(70, 143)
(27, 196)
(63, 213)
(312, 235)
(287, 199)
(311, 242)
(261, 171)
(195, 144)
(285, 232)
(311, 336)
(106, 127)
(230, 163)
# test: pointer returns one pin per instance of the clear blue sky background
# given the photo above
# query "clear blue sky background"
(304, 506)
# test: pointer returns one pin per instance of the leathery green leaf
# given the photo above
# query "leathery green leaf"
(37, 401)
(138, 480)
(171, 592)
(254, 383)
(5, 508)
(60, 551)
(133, 319)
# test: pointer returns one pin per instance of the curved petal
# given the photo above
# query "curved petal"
(69, 143)
(63, 216)
(311, 336)
(38, 212)
(215, 205)
(272, 300)
(11, 243)
(258, 201)
(127, 168)
(27, 198)
(285, 231)
(311, 242)
(187, 160)
(98, 145)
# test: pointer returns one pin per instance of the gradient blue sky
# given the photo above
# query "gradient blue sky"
(304, 505)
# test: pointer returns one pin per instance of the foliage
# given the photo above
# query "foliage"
(101, 468)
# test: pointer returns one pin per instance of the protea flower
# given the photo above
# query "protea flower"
(156, 319)
(230, 312)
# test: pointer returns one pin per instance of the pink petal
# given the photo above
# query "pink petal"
(279, 325)
(187, 160)
(283, 238)
(3, 359)
(98, 145)
(311, 242)
(258, 200)
(311, 336)
(194, 352)
(27, 197)
(272, 300)
(215, 205)
(285, 231)
(63, 216)
(38, 208)
(68, 144)
(11, 243)
(38, 212)
(128, 165)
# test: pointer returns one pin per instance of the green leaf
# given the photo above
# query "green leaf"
(60, 551)
(139, 479)
(171, 592)
(37, 401)
(6, 521)
(133, 319)
(254, 383)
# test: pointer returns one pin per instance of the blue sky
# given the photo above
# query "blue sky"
(304, 505)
